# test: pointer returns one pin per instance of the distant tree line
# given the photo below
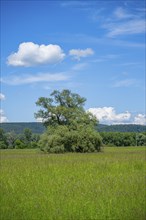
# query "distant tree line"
(121, 128)
(123, 138)
(27, 139)
(11, 140)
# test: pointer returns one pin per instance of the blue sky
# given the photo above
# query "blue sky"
(93, 48)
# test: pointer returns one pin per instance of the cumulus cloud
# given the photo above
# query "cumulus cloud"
(2, 96)
(140, 119)
(78, 53)
(39, 120)
(108, 115)
(3, 118)
(40, 77)
(31, 54)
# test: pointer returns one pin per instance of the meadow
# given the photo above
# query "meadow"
(73, 186)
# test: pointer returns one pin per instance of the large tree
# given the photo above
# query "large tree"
(63, 108)
(70, 127)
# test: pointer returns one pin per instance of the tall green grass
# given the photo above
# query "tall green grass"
(107, 185)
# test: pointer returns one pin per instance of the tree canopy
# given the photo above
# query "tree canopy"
(63, 108)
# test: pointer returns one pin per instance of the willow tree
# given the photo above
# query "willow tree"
(64, 111)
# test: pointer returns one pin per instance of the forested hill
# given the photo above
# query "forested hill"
(37, 127)
(121, 128)
(18, 127)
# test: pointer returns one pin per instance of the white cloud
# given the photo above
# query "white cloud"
(140, 119)
(39, 119)
(47, 87)
(134, 26)
(126, 83)
(3, 118)
(120, 13)
(80, 66)
(130, 64)
(123, 22)
(80, 5)
(30, 54)
(40, 77)
(108, 115)
(2, 96)
(105, 58)
(78, 53)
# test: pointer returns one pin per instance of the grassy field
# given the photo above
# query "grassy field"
(108, 185)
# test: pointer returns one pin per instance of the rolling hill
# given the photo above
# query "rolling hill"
(38, 128)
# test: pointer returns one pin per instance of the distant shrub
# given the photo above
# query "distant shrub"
(33, 144)
(141, 139)
(19, 144)
(3, 145)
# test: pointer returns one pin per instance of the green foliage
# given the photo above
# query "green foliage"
(10, 139)
(141, 139)
(27, 134)
(31, 140)
(2, 135)
(61, 139)
(35, 137)
(33, 145)
(123, 139)
(63, 108)
(3, 145)
(70, 127)
(19, 144)
(121, 128)
(27, 137)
